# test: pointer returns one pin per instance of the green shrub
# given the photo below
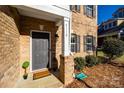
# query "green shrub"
(91, 60)
(79, 63)
(101, 59)
(113, 47)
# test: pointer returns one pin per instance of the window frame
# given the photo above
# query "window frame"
(75, 43)
(75, 8)
(87, 43)
(90, 11)
(115, 24)
(74, 36)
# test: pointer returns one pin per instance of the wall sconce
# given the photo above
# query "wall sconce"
(41, 27)
(57, 36)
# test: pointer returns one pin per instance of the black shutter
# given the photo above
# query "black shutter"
(94, 11)
(85, 9)
(78, 43)
(84, 43)
(94, 43)
(71, 7)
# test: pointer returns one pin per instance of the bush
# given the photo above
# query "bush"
(79, 63)
(113, 47)
(102, 59)
(91, 60)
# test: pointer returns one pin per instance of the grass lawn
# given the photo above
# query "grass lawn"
(100, 53)
(120, 59)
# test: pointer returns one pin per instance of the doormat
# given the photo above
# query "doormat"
(42, 74)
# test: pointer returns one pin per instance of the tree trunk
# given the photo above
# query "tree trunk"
(25, 70)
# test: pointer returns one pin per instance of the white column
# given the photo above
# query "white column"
(66, 37)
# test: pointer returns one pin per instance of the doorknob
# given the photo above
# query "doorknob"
(49, 49)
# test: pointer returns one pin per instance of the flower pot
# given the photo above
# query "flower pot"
(25, 76)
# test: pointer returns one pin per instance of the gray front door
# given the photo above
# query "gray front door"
(40, 55)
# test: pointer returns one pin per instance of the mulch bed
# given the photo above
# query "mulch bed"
(101, 76)
(76, 84)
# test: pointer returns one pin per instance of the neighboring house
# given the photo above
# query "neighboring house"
(112, 27)
(47, 36)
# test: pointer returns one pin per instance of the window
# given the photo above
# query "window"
(120, 14)
(114, 23)
(75, 8)
(90, 10)
(75, 43)
(115, 16)
(110, 25)
(105, 27)
(89, 43)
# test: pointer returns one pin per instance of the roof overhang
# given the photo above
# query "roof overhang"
(37, 13)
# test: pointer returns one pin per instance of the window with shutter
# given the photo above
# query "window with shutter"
(90, 10)
(75, 8)
(89, 43)
(75, 43)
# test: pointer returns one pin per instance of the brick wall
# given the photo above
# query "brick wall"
(66, 69)
(83, 25)
(9, 47)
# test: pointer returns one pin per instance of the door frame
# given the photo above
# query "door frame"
(49, 58)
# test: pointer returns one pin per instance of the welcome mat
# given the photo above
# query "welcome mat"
(41, 74)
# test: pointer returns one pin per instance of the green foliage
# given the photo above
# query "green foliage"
(25, 64)
(91, 60)
(113, 47)
(102, 59)
(79, 63)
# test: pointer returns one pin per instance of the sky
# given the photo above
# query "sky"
(105, 11)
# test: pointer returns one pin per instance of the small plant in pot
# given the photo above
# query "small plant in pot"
(25, 65)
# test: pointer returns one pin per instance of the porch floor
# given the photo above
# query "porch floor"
(46, 82)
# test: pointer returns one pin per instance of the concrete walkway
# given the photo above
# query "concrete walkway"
(46, 82)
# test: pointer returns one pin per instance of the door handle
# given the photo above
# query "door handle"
(49, 49)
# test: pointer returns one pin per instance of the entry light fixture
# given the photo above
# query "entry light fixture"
(41, 27)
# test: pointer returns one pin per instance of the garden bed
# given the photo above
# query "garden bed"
(101, 76)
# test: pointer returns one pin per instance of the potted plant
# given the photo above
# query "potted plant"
(25, 65)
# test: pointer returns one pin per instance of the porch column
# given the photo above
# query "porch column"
(66, 60)
(66, 37)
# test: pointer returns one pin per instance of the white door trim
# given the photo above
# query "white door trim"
(31, 49)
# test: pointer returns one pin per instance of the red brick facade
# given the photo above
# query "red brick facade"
(9, 48)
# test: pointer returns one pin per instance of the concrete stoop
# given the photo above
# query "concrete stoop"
(46, 82)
